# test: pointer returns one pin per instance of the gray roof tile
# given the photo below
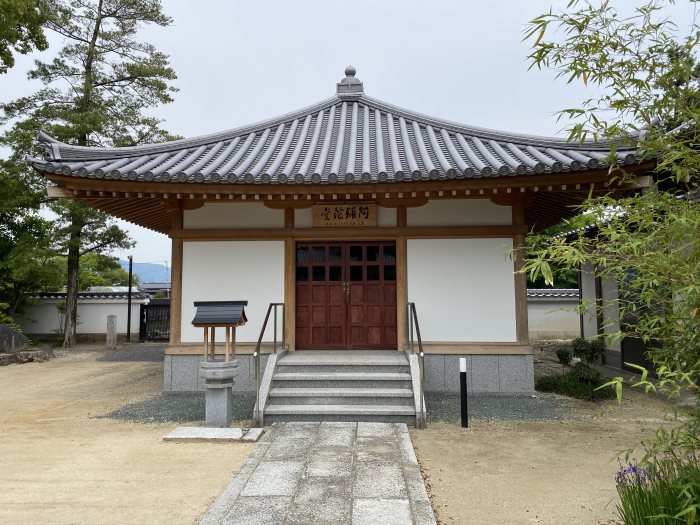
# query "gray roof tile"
(349, 138)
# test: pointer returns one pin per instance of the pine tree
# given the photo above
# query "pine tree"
(95, 92)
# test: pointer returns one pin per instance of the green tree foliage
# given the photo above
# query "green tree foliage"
(102, 270)
(95, 92)
(21, 29)
(645, 68)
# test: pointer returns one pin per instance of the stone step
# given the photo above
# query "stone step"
(341, 396)
(285, 367)
(373, 418)
(385, 414)
(341, 376)
(341, 380)
(345, 358)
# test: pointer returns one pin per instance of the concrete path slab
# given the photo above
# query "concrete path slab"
(217, 435)
(327, 473)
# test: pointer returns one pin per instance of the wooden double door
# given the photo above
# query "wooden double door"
(346, 295)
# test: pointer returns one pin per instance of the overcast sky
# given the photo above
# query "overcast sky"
(241, 62)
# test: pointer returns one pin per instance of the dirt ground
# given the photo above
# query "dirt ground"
(550, 472)
(59, 464)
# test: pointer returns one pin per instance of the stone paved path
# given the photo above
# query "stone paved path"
(327, 473)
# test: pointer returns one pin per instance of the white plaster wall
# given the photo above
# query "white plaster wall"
(464, 212)
(303, 218)
(554, 317)
(233, 215)
(386, 217)
(232, 270)
(464, 289)
(44, 318)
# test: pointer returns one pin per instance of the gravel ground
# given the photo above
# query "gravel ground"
(179, 407)
(445, 406)
(136, 353)
(441, 406)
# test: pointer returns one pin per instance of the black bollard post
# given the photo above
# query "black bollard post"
(463, 391)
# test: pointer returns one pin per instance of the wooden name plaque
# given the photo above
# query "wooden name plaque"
(344, 215)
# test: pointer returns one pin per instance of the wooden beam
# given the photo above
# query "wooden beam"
(283, 204)
(183, 204)
(57, 192)
(437, 232)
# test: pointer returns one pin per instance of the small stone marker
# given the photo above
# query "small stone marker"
(210, 434)
(111, 332)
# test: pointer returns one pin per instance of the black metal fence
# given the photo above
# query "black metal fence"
(155, 321)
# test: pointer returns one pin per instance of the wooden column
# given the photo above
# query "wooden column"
(206, 343)
(290, 292)
(401, 217)
(176, 281)
(521, 323)
(401, 291)
(289, 218)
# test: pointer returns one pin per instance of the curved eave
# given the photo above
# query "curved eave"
(337, 141)
(548, 198)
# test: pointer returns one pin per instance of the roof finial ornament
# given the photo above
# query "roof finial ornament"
(350, 87)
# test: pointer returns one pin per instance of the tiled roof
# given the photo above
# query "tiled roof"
(93, 295)
(553, 292)
(219, 313)
(349, 138)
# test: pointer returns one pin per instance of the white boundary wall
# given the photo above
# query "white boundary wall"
(464, 289)
(232, 270)
(44, 318)
(553, 318)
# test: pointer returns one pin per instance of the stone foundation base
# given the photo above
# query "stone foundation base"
(181, 373)
(486, 374)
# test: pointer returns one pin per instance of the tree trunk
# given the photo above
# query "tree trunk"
(71, 316)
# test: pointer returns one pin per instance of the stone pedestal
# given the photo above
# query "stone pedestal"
(218, 383)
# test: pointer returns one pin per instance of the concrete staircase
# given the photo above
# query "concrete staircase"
(341, 386)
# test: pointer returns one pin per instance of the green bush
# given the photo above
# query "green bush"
(548, 383)
(570, 384)
(666, 493)
(586, 373)
(588, 350)
(564, 356)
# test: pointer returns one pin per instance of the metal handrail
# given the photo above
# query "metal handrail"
(256, 353)
(412, 325)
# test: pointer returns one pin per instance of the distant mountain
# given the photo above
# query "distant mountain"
(149, 272)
